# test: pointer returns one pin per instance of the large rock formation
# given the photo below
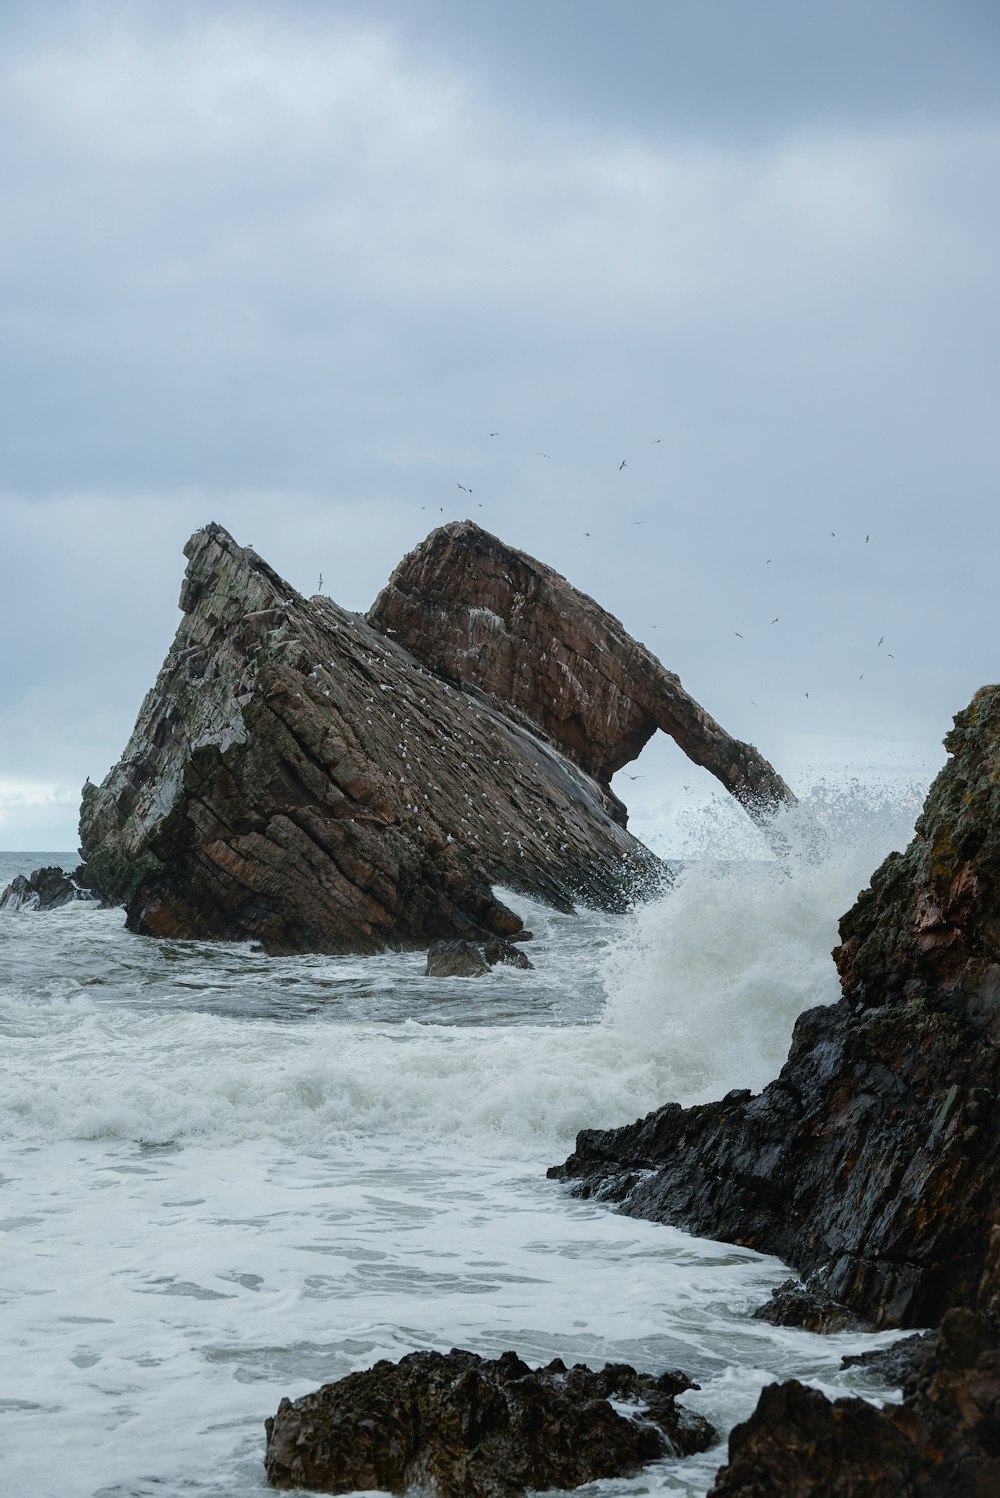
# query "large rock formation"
(872, 1162)
(942, 1442)
(461, 1426)
(479, 611)
(298, 778)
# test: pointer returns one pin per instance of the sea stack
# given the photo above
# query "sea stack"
(300, 777)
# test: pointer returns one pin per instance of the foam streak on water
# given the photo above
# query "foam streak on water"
(225, 1178)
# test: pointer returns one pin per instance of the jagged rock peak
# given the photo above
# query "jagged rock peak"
(479, 611)
(296, 777)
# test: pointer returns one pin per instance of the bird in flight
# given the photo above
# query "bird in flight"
(635, 777)
(464, 489)
(621, 465)
(545, 455)
(638, 522)
(881, 638)
(658, 441)
(494, 434)
(737, 634)
(867, 538)
(807, 694)
(775, 619)
(833, 533)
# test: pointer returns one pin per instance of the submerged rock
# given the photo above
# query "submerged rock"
(469, 959)
(296, 778)
(455, 959)
(461, 1426)
(943, 1441)
(44, 889)
(872, 1163)
(480, 612)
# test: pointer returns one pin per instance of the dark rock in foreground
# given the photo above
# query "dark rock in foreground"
(793, 1304)
(296, 778)
(44, 889)
(942, 1442)
(481, 612)
(462, 1426)
(469, 959)
(872, 1163)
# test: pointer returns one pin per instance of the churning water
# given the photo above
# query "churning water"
(225, 1178)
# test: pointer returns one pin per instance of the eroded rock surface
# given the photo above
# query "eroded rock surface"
(871, 1164)
(43, 889)
(479, 611)
(942, 1442)
(298, 778)
(462, 1426)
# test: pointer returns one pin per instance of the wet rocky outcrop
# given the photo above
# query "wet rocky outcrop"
(44, 889)
(297, 778)
(871, 1164)
(943, 1441)
(478, 611)
(470, 959)
(462, 1426)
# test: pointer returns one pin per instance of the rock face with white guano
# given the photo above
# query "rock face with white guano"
(298, 778)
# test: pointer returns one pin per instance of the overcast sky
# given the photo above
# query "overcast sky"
(287, 265)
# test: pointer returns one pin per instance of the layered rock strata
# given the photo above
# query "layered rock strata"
(461, 1426)
(481, 612)
(871, 1164)
(298, 778)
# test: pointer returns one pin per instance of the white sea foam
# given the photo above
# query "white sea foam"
(225, 1178)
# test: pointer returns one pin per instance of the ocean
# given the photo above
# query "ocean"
(225, 1178)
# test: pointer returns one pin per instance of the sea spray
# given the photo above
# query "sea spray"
(226, 1178)
(710, 977)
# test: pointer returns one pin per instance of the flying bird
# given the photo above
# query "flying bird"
(544, 455)
(658, 440)
(621, 465)
(881, 638)
(319, 585)
(494, 434)
(464, 489)
(776, 618)
(635, 777)
(866, 540)
(737, 634)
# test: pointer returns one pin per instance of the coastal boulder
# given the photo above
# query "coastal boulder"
(299, 779)
(872, 1163)
(468, 959)
(480, 612)
(462, 1426)
(44, 889)
(943, 1441)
